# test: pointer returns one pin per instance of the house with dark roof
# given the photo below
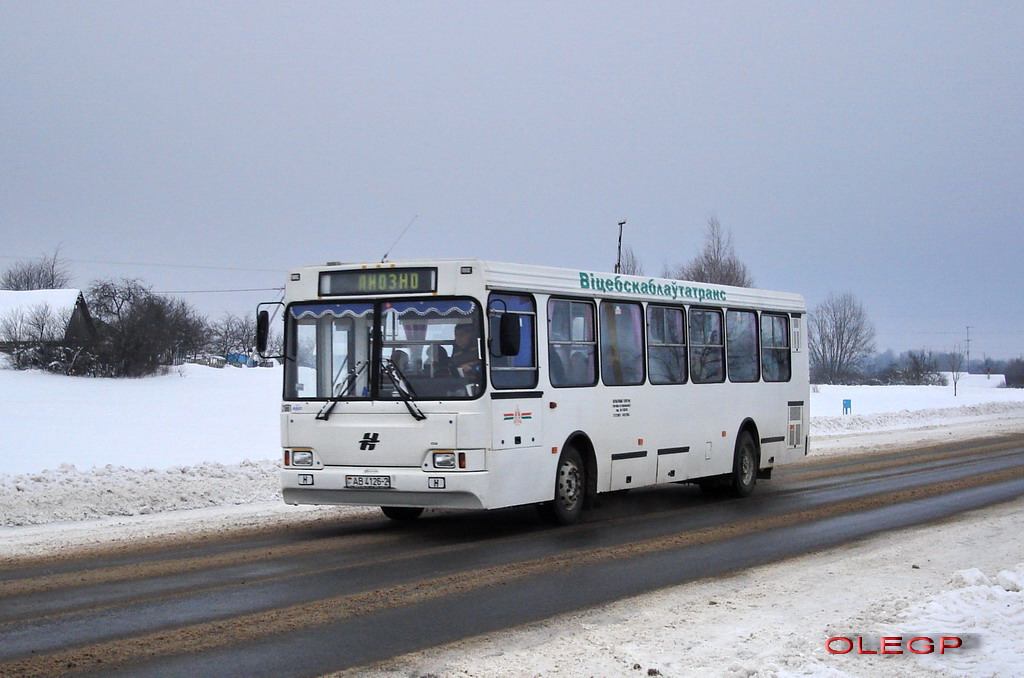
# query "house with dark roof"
(52, 316)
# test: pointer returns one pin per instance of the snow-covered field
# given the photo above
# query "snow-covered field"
(77, 449)
(192, 415)
(91, 463)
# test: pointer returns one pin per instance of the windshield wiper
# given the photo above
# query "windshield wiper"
(350, 381)
(397, 378)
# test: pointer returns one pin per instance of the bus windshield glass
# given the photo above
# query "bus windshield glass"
(429, 349)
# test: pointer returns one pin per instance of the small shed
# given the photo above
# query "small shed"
(65, 307)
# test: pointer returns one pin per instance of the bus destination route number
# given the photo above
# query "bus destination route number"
(378, 281)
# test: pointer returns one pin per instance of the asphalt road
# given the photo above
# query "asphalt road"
(305, 602)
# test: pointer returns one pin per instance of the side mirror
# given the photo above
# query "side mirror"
(262, 330)
(263, 327)
(509, 334)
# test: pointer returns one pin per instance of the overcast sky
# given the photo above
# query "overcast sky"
(872, 148)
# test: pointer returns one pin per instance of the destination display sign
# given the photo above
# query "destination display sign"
(378, 281)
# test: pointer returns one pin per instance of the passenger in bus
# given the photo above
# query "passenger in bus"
(465, 359)
(438, 362)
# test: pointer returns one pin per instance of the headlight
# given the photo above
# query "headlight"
(302, 458)
(444, 460)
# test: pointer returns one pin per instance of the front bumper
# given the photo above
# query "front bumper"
(409, 487)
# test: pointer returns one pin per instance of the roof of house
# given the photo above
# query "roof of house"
(59, 301)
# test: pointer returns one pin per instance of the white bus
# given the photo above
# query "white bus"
(471, 384)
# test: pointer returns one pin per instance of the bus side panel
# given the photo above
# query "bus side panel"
(629, 471)
(524, 475)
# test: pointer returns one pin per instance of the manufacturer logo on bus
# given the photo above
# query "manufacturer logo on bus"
(369, 441)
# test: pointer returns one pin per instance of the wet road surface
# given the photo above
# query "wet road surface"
(308, 601)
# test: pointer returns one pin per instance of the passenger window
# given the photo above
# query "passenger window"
(776, 362)
(707, 350)
(622, 343)
(741, 333)
(666, 345)
(572, 343)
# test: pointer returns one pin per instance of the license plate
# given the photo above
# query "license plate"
(371, 482)
(305, 479)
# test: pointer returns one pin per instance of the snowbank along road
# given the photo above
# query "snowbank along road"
(303, 601)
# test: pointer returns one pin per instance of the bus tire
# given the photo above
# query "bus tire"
(744, 466)
(570, 489)
(402, 512)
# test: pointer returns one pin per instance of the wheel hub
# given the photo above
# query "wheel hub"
(568, 485)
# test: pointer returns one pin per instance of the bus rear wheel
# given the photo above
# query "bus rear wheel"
(570, 490)
(744, 466)
(401, 512)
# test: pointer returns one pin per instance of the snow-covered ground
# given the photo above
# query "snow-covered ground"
(91, 463)
(80, 449)
(192, 415)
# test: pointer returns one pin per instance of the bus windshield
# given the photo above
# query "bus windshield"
(384, 350)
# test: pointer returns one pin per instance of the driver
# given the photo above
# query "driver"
(465, 359)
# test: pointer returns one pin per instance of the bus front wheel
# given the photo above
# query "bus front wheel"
(401, 512)
(744, 466)
(570, 488)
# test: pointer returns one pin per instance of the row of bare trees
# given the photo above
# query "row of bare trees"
(136, 331)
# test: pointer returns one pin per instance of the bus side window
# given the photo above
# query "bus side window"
(666, 349)
(741, 346)
(776, 362)
(707, 353)
(519, 370)
(572, 343)
(622, 343)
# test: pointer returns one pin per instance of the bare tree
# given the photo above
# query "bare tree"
(840, 337)
(45, 273)
(232, 334)
(141, 331)
(631, 264)
(1015, 373)
(955, 361)
(111, 301)
(35, 337)
(38, 323)
(717, 263)
(915, 368)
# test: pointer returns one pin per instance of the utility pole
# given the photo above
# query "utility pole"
(618, 259)
(968, 349)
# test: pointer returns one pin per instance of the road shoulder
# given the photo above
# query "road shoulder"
(772, 620)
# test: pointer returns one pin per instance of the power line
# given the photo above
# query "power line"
(948, 332)
(250, 289)
(140, 263)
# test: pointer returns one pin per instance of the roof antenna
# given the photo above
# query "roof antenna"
(385, 257)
